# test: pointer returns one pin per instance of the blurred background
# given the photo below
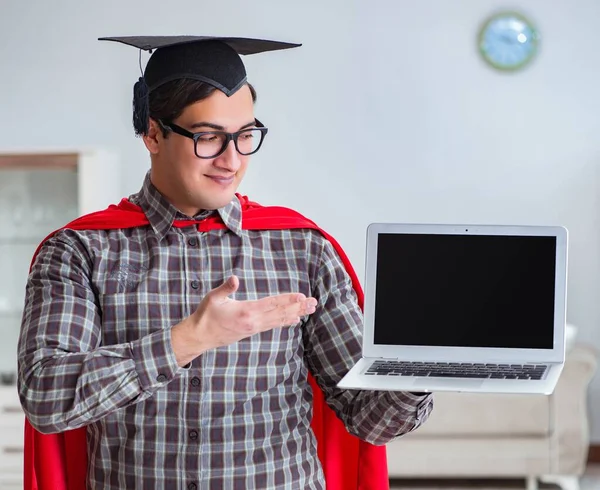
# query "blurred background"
(386, 113)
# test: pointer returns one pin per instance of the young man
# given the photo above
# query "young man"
(181, 329)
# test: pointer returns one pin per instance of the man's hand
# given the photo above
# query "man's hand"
(220, 320)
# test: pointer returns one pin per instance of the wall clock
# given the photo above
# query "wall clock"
(508, 41)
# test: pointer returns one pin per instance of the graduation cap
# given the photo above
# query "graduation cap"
(210, 59)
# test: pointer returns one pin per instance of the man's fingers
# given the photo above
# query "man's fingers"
(288, 314)
(309, 307)
(279, 301)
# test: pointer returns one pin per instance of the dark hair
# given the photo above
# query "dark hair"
(168, 101)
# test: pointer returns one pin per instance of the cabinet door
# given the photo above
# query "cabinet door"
(12, 420)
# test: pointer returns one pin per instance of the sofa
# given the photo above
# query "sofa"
(486, 436)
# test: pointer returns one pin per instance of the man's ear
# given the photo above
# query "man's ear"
(153, 137)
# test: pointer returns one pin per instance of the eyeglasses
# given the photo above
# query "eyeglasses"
(211, 144)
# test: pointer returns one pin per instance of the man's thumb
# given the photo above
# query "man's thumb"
(228, 287)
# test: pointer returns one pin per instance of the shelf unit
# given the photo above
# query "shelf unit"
(39, 192)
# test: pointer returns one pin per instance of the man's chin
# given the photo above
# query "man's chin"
(216, 202)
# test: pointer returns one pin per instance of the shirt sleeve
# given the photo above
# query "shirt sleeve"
(66, 378)
(332, 338)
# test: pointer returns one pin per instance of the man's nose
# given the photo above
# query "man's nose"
(229, 159)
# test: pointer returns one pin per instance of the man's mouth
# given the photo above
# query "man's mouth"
(221, 180)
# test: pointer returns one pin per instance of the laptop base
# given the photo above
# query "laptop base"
(356, 379)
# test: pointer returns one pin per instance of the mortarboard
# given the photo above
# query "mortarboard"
(210, 59)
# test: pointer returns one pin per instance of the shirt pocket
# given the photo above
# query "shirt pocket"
(124, 278)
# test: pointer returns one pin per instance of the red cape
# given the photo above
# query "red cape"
(59, 461)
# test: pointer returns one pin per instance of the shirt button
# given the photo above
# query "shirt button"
(193, 435)
(192, 486)
(195, 381)
(192, 242)
(195, 284)
(161, 378)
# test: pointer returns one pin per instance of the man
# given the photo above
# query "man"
(181, 328)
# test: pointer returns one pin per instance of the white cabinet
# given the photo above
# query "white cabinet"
(39, 193)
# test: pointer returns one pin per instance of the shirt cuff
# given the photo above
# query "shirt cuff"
(420, 401)
(155, 361)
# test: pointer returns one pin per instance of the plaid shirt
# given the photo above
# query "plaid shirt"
(95, 350)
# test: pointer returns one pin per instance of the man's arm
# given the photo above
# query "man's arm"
(332, 339)
(67, 379)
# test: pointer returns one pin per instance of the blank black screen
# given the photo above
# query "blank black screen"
(465, 291)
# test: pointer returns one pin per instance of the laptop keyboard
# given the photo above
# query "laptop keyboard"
(457, 370)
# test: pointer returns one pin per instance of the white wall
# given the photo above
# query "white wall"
(385, 113)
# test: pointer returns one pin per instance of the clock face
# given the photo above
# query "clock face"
(508, 41)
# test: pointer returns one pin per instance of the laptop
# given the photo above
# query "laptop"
(463, 308)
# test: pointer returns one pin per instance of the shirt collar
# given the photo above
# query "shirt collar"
(161, 213)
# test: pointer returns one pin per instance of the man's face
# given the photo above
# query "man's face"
(190, 183)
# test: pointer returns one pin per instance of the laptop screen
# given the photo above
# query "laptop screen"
(465, 290)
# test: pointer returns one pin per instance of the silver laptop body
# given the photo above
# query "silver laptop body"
(474, 308)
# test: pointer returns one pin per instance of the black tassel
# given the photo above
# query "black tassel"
(141, 108)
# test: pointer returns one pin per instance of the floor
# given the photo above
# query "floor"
(590, 481)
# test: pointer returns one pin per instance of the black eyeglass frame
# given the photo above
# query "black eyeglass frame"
(170, 126)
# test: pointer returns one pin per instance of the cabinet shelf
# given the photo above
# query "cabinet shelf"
(32, 161)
